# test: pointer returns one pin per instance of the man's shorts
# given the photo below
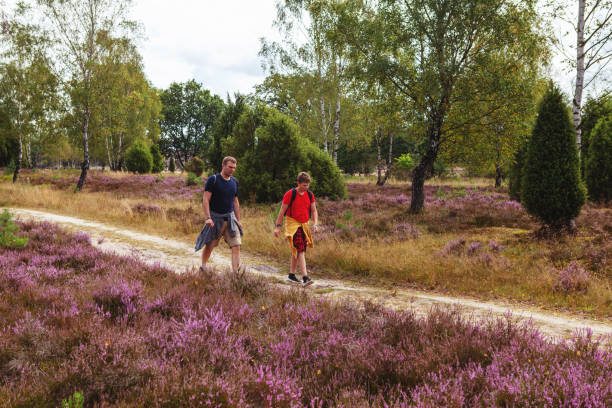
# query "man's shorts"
(299, 240)
(225, 232)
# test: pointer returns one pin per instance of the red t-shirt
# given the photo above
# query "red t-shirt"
(299, 210)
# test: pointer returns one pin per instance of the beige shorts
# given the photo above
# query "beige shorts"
(225, 232)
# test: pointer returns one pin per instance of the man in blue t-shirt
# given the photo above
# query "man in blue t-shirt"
(222, 211)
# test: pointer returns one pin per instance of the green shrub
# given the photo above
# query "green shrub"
(599, 162)
(594, 110)
(192, 180)
(551, 187)
(158, 159)
(7, 230)
(278, 154)
(74, 401)
(138, 158)
(171, 165)
(516, 173)
(195, 166)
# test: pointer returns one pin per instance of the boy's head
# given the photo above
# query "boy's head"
(303, 181)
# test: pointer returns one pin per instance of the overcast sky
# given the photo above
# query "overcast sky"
(215, 42)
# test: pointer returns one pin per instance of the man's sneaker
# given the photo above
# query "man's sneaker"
(306, 281)
(292, 278)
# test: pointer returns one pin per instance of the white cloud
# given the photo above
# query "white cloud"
(212, 41)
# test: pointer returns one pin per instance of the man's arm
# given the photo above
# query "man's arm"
(237, 210)
(206, 206)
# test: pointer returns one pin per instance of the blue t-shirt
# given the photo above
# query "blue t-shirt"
(223, 193)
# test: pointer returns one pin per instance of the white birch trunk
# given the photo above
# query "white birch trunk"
(336, 130)
(323, 127)
(577, 102)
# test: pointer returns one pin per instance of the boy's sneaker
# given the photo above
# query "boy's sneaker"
(292, 278)
(307, 281)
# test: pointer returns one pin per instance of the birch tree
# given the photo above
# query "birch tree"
(76, 27)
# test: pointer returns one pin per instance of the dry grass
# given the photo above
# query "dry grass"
(525, 270)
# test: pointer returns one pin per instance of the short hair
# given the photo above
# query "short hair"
(228, 159)
(303, 177)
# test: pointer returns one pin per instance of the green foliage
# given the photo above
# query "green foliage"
(594, 110)
(189, 113)
(138, 158)
(516, 173)
(196, 166)
(405, 161)
(171, 165)
(192, 179)
(158, 159)
(266, 180)
(7, 230)
(551, 188)
(10, 169)
(74, 401)
(224, 128)
(599, 162)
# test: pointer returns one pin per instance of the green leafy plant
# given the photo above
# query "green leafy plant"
(138, 158)
(405, 161)
(599, 162)
(158, 159)
(171, 165)
(196, 166)
(74, 401)
(7, 230)
(192, 180)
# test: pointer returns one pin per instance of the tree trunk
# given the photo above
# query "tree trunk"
(577, 102)
(498, 175)
(323, 129)
(85, 165)
(379, 158)
(426, 164)
(110, 161)
(18, 163)
(390, 161)
(336, 130)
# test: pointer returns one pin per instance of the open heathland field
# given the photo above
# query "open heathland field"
(470, 240)
(116, 332)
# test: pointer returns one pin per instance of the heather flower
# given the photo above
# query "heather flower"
(495, 247)
(473, 248)
(456, 247)
(572, 278)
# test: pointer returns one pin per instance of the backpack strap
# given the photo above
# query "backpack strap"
(293, 194)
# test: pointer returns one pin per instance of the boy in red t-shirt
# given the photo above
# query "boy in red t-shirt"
(298, 206)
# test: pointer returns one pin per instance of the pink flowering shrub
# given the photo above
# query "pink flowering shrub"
(127, 334)
(572, 278)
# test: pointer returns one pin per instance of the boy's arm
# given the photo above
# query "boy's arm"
(279, 219)
(315, 216)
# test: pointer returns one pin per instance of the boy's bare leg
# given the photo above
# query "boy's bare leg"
(235, 258)
(293, 265)
(301, 261)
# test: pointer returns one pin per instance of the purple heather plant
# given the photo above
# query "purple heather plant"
(193, 340)
(573, 278)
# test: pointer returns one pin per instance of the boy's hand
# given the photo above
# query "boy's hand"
(276, 231)
(315, 228)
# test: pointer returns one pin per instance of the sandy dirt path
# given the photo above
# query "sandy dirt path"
(180, 256)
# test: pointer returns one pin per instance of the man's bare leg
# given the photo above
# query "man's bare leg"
(206, 253)
(235, 258)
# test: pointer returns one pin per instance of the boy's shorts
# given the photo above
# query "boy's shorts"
(299, 240)
(225, 232)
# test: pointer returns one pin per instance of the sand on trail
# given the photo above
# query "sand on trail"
(181, 257)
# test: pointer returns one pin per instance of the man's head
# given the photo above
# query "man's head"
(228, 166)
(303, 181)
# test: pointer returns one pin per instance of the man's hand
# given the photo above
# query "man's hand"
(209, 222)
(239, 224)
